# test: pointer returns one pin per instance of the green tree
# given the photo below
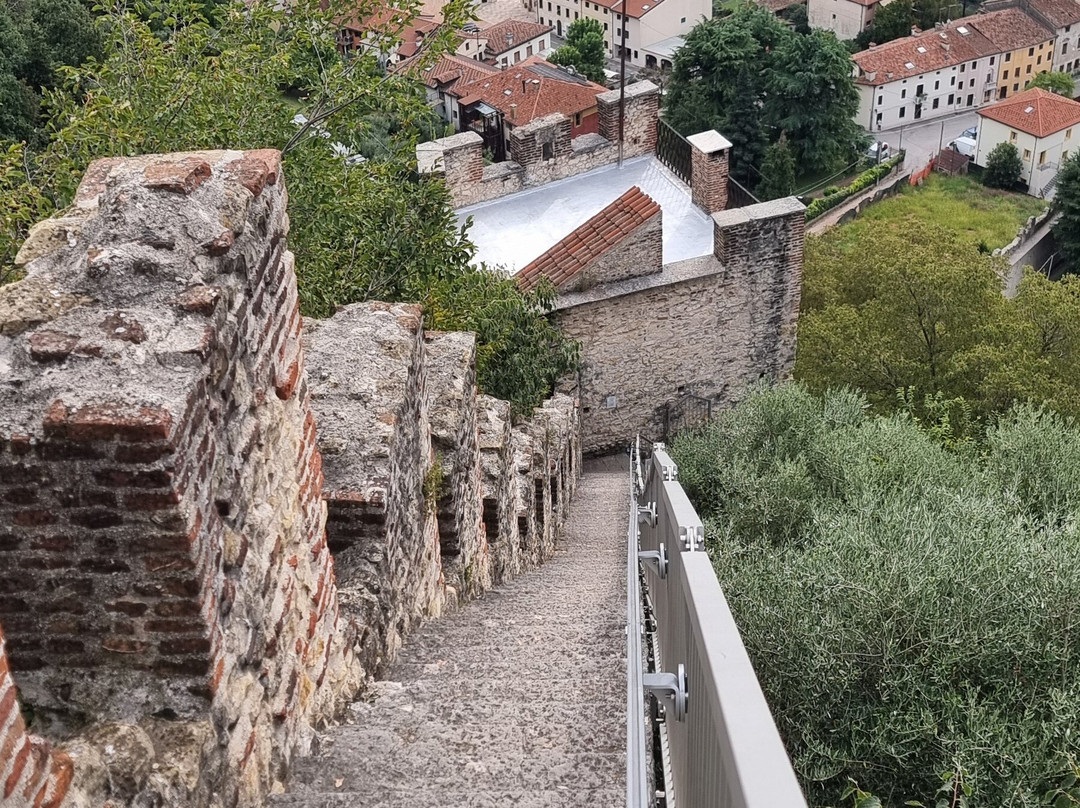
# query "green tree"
(1003, 167)
(742, 127)
(360, 230)
(810, 95)
(1067, 197)
(1053, 81)
(778, 171)
(584, 49)
(798, 17)
(891, 22)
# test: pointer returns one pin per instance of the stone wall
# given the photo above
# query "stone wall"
(175, 603)
(708, 326)
(541, 151)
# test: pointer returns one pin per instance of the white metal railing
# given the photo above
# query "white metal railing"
(725, 751)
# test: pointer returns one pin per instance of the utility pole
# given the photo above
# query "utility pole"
(622, 83)
(941, 137)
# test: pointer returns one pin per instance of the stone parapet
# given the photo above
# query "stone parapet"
(495, 439)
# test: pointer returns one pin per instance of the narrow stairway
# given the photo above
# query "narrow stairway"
(518, 699)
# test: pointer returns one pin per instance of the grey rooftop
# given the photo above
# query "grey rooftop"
(514, 230)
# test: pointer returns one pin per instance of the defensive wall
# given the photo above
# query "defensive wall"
(218, 520)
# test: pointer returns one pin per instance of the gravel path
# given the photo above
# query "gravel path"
(516, 700)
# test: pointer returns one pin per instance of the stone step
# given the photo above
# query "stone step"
(563, 797)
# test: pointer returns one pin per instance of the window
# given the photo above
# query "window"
(605, 26)
(1008, 56)
(952, 81)
(1068, 133)
(1012, 136)
(577, 119)
(1016, 87)
(1003, 92)
(635, 54)
(934, 105)
(991, 61)
(683, 19)
(547, 151)
(972, 65)
(951, 97)
(1037, 61)
(970, 99)
(1004, 75)
(902, 111)
(879, 119)
(541, 44)
(1027, 154)
(971, 83)
(903, 93)
(919, 90)
(1031, 51)
(575, 15)
(1016, 72)
(963, 67)
(517, 56)
(1042, 158)
(1028, 71)
(880, 100)
(986, 96)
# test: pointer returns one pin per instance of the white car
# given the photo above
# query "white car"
(964, 145)
(879, 152)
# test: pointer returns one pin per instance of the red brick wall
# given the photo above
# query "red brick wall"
(31, 772)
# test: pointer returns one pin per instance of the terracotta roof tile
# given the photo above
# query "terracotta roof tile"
(634, 8)
(1010, 29)
(1035, 111)
(447, 71)
(531, 89)
(1059, 12)
(599, 234)
(519, 31)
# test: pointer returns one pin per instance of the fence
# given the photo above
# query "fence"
(738, 196)
(673, 150)
(719, 741)
(686, 412)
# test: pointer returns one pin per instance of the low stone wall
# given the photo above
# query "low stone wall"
(216, 524)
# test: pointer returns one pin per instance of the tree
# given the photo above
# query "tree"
(810, 95)
(1067, 230)
(778, 171)
(1053, 81)
(921, 310)
(360, 230)
(584, 49)
(1003, 167)
(891, 22)
(798, 17)
(743, 128)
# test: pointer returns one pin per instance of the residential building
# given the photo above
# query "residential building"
(1063, 17)
(512, 41)
(493, 105)
(1026, 46)
(443, 77)
(1045, 128)
(395, 33)
(930, 74)
(845, 18)
(648, 22)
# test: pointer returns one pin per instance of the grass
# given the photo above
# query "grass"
(979, 214)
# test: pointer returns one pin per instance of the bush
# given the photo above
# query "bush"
(860, 183)
(910, 610)
(1003, 167)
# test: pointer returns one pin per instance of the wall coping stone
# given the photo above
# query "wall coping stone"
(678, 272)
(774, 209)
(635, 90)
(709, 141)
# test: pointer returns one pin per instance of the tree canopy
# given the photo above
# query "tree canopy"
(800, 84)
(778, 171)
(1003, 167)
(584, 49)
(1054, 81)
(375, 229)
(890, 22)
(918, 310)
(1067, 230)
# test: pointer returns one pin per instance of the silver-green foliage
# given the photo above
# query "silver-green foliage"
(911, 610)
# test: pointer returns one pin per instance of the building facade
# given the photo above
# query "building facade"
(845, 18)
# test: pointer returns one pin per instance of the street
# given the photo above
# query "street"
(921, 140)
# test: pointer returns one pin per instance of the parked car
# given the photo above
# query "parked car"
(970, 132)
(964, 145)
(878, 152)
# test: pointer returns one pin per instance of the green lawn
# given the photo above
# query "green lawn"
(973, 210)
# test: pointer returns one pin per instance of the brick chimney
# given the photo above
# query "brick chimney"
(709, 153)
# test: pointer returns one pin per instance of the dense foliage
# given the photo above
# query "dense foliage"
(890, 22)
(1067, 198)
(1053, 81)
(1003, 167)
(361, 229)
(910, 610)
(918, 308)
(38, 38)
(778, 169)
(800, 84)
(584, 49)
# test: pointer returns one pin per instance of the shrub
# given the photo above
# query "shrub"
(910, 610)
(1003, 167)
(860, 183)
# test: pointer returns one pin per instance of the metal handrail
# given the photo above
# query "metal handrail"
(724, 747)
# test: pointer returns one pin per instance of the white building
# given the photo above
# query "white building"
(1063, 17)
(845, 18)
(1045, 128)
(512, 41)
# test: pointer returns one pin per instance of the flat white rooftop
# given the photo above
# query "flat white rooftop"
(513, 230)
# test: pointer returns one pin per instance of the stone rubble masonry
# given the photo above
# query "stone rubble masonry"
(161, 521)
(366, 370)
(32, 773)
(709, 155)
(169, 581)
(451, 404)
(542, 151)
(708, 326)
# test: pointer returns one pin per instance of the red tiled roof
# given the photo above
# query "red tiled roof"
(519, 31)
(634, 8)
(448, 71)
(1059, 12)
(523, 94)
(590, 241)
(1010, 29)
(1035, 111)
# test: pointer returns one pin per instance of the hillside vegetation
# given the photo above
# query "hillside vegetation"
(911, 609)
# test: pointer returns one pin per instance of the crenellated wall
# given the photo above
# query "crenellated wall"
(217, 521)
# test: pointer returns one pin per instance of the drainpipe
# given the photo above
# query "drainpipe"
(622, 84)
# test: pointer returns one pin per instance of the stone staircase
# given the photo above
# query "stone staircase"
(518, 699)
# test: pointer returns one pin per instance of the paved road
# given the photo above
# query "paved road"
(519, 699)
(921, 140)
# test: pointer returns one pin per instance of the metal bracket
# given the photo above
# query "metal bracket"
(646, 514)
(670, 691)
(692, 537)
(656, 560)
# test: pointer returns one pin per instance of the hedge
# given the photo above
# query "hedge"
(860, 183)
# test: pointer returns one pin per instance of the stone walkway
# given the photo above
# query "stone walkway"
(516, 700)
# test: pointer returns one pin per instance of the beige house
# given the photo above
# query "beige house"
(845, 18)
(1045, 128)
